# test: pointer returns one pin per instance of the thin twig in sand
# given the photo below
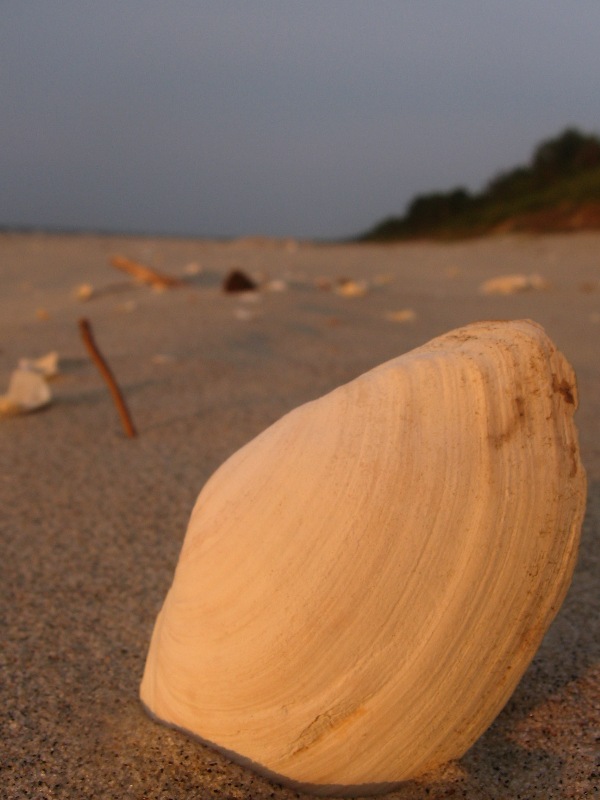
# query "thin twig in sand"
(86, 334)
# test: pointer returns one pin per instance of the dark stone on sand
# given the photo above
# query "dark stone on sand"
(238, 281)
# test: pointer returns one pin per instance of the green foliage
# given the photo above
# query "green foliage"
(563, 172)
(569, 153)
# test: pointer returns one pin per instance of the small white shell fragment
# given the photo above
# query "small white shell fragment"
(511, 284)
(362, 586)
(46, 365)
(349, 288)
(245, 314)
(276, 285)
(404, 315)
(27, 391)
(250, 298)
(84, 292)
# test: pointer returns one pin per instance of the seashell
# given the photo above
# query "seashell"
(349, 288)
(362, 586)
(84, 292)
(403, 315)
(277, 285)
(245, 314)
(47, 366)
(27, 391)
(512, 284)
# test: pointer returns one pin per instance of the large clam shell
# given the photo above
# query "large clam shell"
(362, 586)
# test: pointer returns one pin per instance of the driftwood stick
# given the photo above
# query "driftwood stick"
(144, 274)
(88, 339)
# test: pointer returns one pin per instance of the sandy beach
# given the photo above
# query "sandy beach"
(92, 522)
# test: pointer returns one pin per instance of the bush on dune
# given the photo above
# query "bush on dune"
(550, 193)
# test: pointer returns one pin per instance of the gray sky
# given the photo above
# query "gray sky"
(313, 118)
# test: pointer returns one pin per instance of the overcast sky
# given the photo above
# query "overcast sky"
(308, 118)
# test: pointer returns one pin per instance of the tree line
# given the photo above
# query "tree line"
(563, 169)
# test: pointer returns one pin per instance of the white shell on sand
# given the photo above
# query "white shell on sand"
(362, 586)
(349, 288)
(27, 391)
(404, 315)
(512, 284)
(46, 365)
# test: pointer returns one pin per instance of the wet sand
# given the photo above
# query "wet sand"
(92, 522)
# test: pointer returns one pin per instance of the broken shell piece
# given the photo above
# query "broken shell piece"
(277, 285)
(404, 315)
(46, 365)
(250, 298)
(245, 314)
(511, 284)
(27, 391)
(84, 292)
(362, 586)
(348, 288)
